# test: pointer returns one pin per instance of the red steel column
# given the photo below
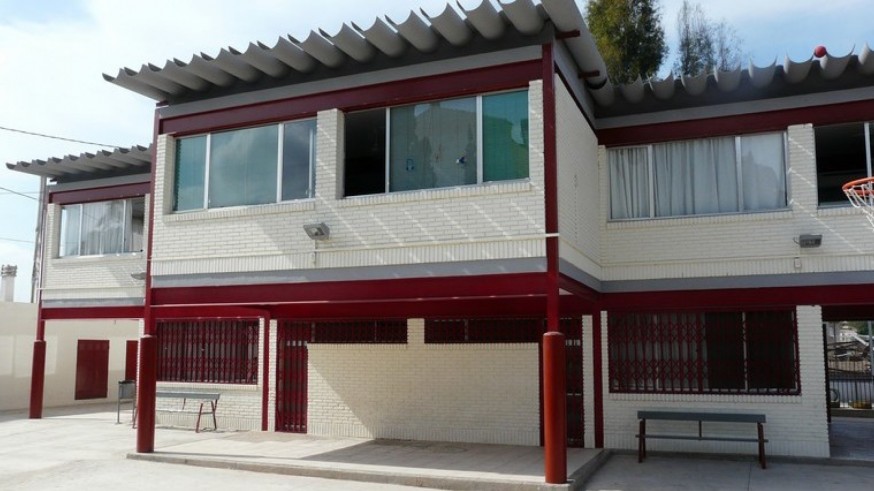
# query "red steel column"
(38, 370)
(265, 374)
(554, 369)
(148, 376)
(597, 374)
(146, 387)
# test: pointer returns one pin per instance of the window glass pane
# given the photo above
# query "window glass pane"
(364, 171)
(190, 171)
(102, 228)
(70, 216)
(695, 177)
(629, 182)
(242, 168)
(764, 180)
(433, 145)
(840, 158)
(136, 213)
(298, 150)
(505, 136)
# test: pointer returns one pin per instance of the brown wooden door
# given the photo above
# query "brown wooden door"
(92, 369)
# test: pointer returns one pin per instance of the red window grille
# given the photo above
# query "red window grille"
(704, 352)
(221, 351)
(384, 331)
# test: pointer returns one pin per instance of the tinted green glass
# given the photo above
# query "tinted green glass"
(505, 136)
(433, 145)
(298, 155)
(242, 168)
(190, 172)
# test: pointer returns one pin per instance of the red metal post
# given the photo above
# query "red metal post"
(37, 378)
(146, 387)
(265, 373)
(554, 408)
(597, 374)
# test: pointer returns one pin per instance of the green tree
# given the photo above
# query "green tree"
(629, 35)
(703, 44)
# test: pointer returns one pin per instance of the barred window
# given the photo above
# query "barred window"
(391, 331)
(222, 351)
(704, 352)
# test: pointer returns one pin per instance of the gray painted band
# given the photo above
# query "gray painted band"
(466, 268)
(737, 108)
(100, 183)
(732, 282)
(526, 53)
(578, 274)
(93, 302)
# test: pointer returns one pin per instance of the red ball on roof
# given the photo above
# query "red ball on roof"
(819, 51)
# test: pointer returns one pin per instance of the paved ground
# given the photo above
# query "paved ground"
(622, 472)
(852, 438)
(86, 451)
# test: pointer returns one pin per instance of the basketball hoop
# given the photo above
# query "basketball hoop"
(861, 195)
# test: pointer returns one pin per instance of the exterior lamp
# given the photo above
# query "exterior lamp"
(317, 231)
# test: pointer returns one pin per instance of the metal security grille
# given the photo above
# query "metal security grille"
(573, 331)
(214, 351)
(293, 337)
(704, 352)
(291, 376)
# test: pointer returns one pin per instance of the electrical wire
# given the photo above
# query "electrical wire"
(17, 240)
(18, 194)
(53, 137)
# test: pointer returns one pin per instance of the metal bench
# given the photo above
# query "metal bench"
(206, 399)
(700, 417)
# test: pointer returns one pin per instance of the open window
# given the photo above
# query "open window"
(842, 155)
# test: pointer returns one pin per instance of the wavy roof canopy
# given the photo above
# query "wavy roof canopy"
(121, 161)
(386, 41)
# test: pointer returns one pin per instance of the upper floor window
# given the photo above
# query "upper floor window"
(437, 144)
(698, 177)
(249, 166)
(843, 154)
(102, 227)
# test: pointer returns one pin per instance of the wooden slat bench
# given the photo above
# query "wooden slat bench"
(701, 417)
(208, 400)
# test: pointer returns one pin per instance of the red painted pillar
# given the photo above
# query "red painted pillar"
(37, 375)
(265, 374)
(554, 408)
(146, 387)
(597, 374)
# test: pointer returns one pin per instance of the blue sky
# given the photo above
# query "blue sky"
(53, 52)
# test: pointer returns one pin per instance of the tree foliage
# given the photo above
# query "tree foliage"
(703, 44)
(629, 35)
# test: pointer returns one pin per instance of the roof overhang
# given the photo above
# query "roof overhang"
(118, 162)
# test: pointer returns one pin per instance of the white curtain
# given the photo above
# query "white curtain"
(629, 183)
(764, 178)
(102, 227)
(695, 177)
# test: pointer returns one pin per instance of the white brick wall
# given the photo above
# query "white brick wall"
(492, 221)
(466, 392)
(796, 425)
(578, 181)
(97, 277)
(741, 244)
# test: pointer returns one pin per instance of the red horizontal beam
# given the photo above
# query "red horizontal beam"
(356, 291)
(208, 312)
(732, 125)
(741, 297)
(580, 290)
(99, 194)
(455, 84)
(70, 313)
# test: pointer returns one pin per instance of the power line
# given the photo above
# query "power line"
(53, 137)
(18, 194)
(17, 240)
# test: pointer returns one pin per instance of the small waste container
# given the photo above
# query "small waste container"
(127, 392)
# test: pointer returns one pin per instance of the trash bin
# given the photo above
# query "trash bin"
(127, 392)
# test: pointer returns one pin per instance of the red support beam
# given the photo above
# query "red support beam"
(554, 369)
(597, 375)
(71, 313)
(99, 194)
(37, 379)
(265, 375)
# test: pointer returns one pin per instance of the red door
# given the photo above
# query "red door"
(92, 369)
(130, 360)
(291, 376)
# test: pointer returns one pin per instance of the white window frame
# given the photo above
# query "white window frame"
(279, 167)
(738, 169)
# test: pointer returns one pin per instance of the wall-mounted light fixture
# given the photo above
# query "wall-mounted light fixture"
(806, 241)
(138, 276)
(317, 231)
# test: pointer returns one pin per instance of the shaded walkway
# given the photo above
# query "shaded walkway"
(852, 438)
